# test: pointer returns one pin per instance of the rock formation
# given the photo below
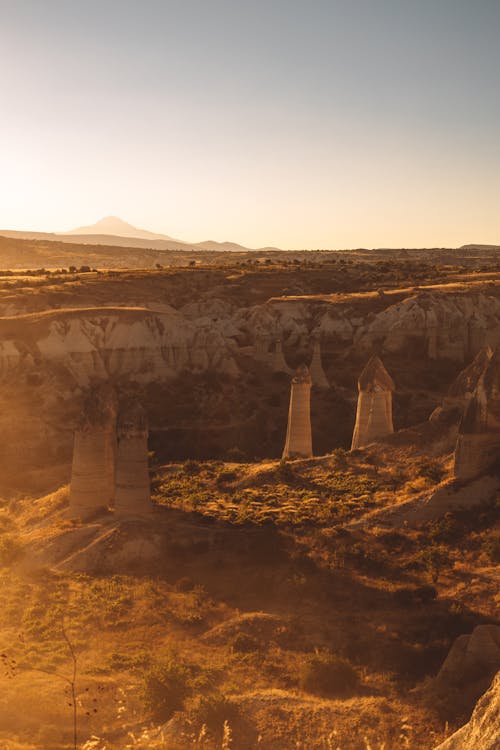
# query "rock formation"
(318, 377)
(431, 324)
(475, 656)
(94, 453)
(478, 444)
(278, 362)
(298, 442)
(476, 334)
(374, 411)
(482, 731)
(132, 493)
(464, 386)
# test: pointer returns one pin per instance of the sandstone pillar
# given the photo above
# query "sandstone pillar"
(133, 493)
(431, 327)
(278, 362)
(93, 468)
(478, 444)
(374, 411)
(298, 442)
(476, 338)
(318, 377)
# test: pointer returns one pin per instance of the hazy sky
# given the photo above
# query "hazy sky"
(321, 123)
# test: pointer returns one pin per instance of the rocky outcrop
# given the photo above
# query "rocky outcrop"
(473, 657)
(101, 343)
(465, 384)
(298, 442)
(94, 455)
(478, 444)
(482, 731)
(132, 491)
(442, 326)
(374, 411)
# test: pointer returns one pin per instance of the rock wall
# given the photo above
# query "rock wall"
(298, 442)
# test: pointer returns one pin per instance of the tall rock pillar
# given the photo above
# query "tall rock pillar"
(374, 412)
(278, 361)
(94, 452)
(298, 442)
(478, 444)
(133, 492)
(431, 329)
(318, 377)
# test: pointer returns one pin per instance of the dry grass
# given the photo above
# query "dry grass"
(285, 577)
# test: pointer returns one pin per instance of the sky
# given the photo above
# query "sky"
(311, 124)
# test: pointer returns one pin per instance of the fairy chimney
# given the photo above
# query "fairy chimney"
(476, 334)
(374, 412)
(94, 453)
(133, 492)
(478, 445)
(318, 377)
(278, 362)
(298, 442)
(431, 330)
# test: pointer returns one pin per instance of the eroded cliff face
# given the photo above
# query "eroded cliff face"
(48, 358)
(96, 344)
(157, 342)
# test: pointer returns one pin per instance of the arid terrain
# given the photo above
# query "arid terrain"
(262, 603)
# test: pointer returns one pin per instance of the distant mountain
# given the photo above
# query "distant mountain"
(113, 231)
(113, 226)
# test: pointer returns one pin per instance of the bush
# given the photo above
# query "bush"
(284, 471)
(431, 470)
(213, 710)
(492, 548)
(191, 467)
(237, 456)
(328, 675)
(245, 644)
(166, 686)
(10, 549)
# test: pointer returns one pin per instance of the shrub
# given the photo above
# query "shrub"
(10, 549)
(245, 644)
(191, 467)
(430, 470)
(284, 471)
(237, 456)
(184, 584)
(213, 711)
(435, 559)
(166, 686)
(492, 548)
(226, 476)
(328, 675)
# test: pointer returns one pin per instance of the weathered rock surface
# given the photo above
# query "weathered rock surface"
(99, 343)
(478, 443)
(482, 732)
(475, 656)
(298, 442)
(318, 377)
(93, 469)
(374, 411)
(132, 490)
